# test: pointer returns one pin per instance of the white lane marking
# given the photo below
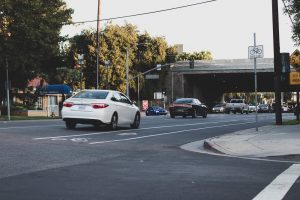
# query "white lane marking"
(80, 139)
(157, 127)
(126, 134)
(22, 127)
(167, 133)
(59, 139)
(280, 185)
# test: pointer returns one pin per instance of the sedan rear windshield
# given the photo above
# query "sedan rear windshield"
(92, 95)
(184, 101)
(219, 105)
(236, 101)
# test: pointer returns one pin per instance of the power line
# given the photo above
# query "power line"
(140, 14)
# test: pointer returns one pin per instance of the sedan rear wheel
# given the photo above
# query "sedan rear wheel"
(70, 124)
(136, 122)
(194, 115)
(114, 122)
(204, 114)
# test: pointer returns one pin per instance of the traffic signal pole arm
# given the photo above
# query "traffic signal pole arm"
(150, 70)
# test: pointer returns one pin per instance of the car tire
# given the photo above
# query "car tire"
(136, 122)
(70, 125)
(194, 114)
(172, 116)
(205, 114)
(114, 122)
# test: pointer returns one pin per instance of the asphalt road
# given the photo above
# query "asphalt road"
(41, 160)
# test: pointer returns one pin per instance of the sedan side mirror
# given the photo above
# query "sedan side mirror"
(113, 99)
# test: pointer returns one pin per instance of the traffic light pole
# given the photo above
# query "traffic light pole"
(7, 90)
(277, 67)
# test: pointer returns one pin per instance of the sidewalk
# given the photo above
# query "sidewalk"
(268, 141)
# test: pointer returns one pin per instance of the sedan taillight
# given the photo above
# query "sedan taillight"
(99, 105)
(68, 104)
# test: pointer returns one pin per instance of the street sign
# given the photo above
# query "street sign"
(158, 67)
(152, 76)
(294, 78)
(80, 59)
(145, 105)
(295, 59)
(257, 52)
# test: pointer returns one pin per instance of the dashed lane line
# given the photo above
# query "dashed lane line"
(279, 187)
(118, 131)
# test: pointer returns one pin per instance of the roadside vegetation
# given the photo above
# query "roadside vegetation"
(291, 122)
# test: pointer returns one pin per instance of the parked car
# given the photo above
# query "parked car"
(237, 105)
(188, 107)
(252, 108)
(155, 110)
(284, 108)
(219, 108)
(99, 107)
(263, 108)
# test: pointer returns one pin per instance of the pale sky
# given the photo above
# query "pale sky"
(223, 27)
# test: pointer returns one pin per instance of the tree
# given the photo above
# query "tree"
(293, 9)
(144, 53)
(32, 47)
(202, 55)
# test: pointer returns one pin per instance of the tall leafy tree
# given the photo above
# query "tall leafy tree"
(293, 9)
(30, 37)
(144, 53)
(202, 55)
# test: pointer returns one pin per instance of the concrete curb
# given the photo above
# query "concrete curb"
(211, 147)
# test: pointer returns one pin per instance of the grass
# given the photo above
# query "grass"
(291, 122)
(4, 118)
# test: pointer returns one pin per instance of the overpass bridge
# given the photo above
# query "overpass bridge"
(209, 80)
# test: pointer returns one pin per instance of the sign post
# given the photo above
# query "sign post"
(81, 62)
(253, 53)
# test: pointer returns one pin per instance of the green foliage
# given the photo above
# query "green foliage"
(202, 55)
(293, 9)
(29, 38)
(144, 53)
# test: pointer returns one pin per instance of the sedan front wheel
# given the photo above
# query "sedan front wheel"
(136, 122)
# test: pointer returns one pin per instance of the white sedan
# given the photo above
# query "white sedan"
(99, 107)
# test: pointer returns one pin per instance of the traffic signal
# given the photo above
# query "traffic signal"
(164, 91)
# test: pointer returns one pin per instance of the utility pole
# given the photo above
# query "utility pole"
(277, 63)
(255, 86)
(81, 63)
(7, 90)
(127, 74)
(97, 41)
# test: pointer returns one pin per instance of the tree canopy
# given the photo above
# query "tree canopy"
(293, 9)
(30, 37)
